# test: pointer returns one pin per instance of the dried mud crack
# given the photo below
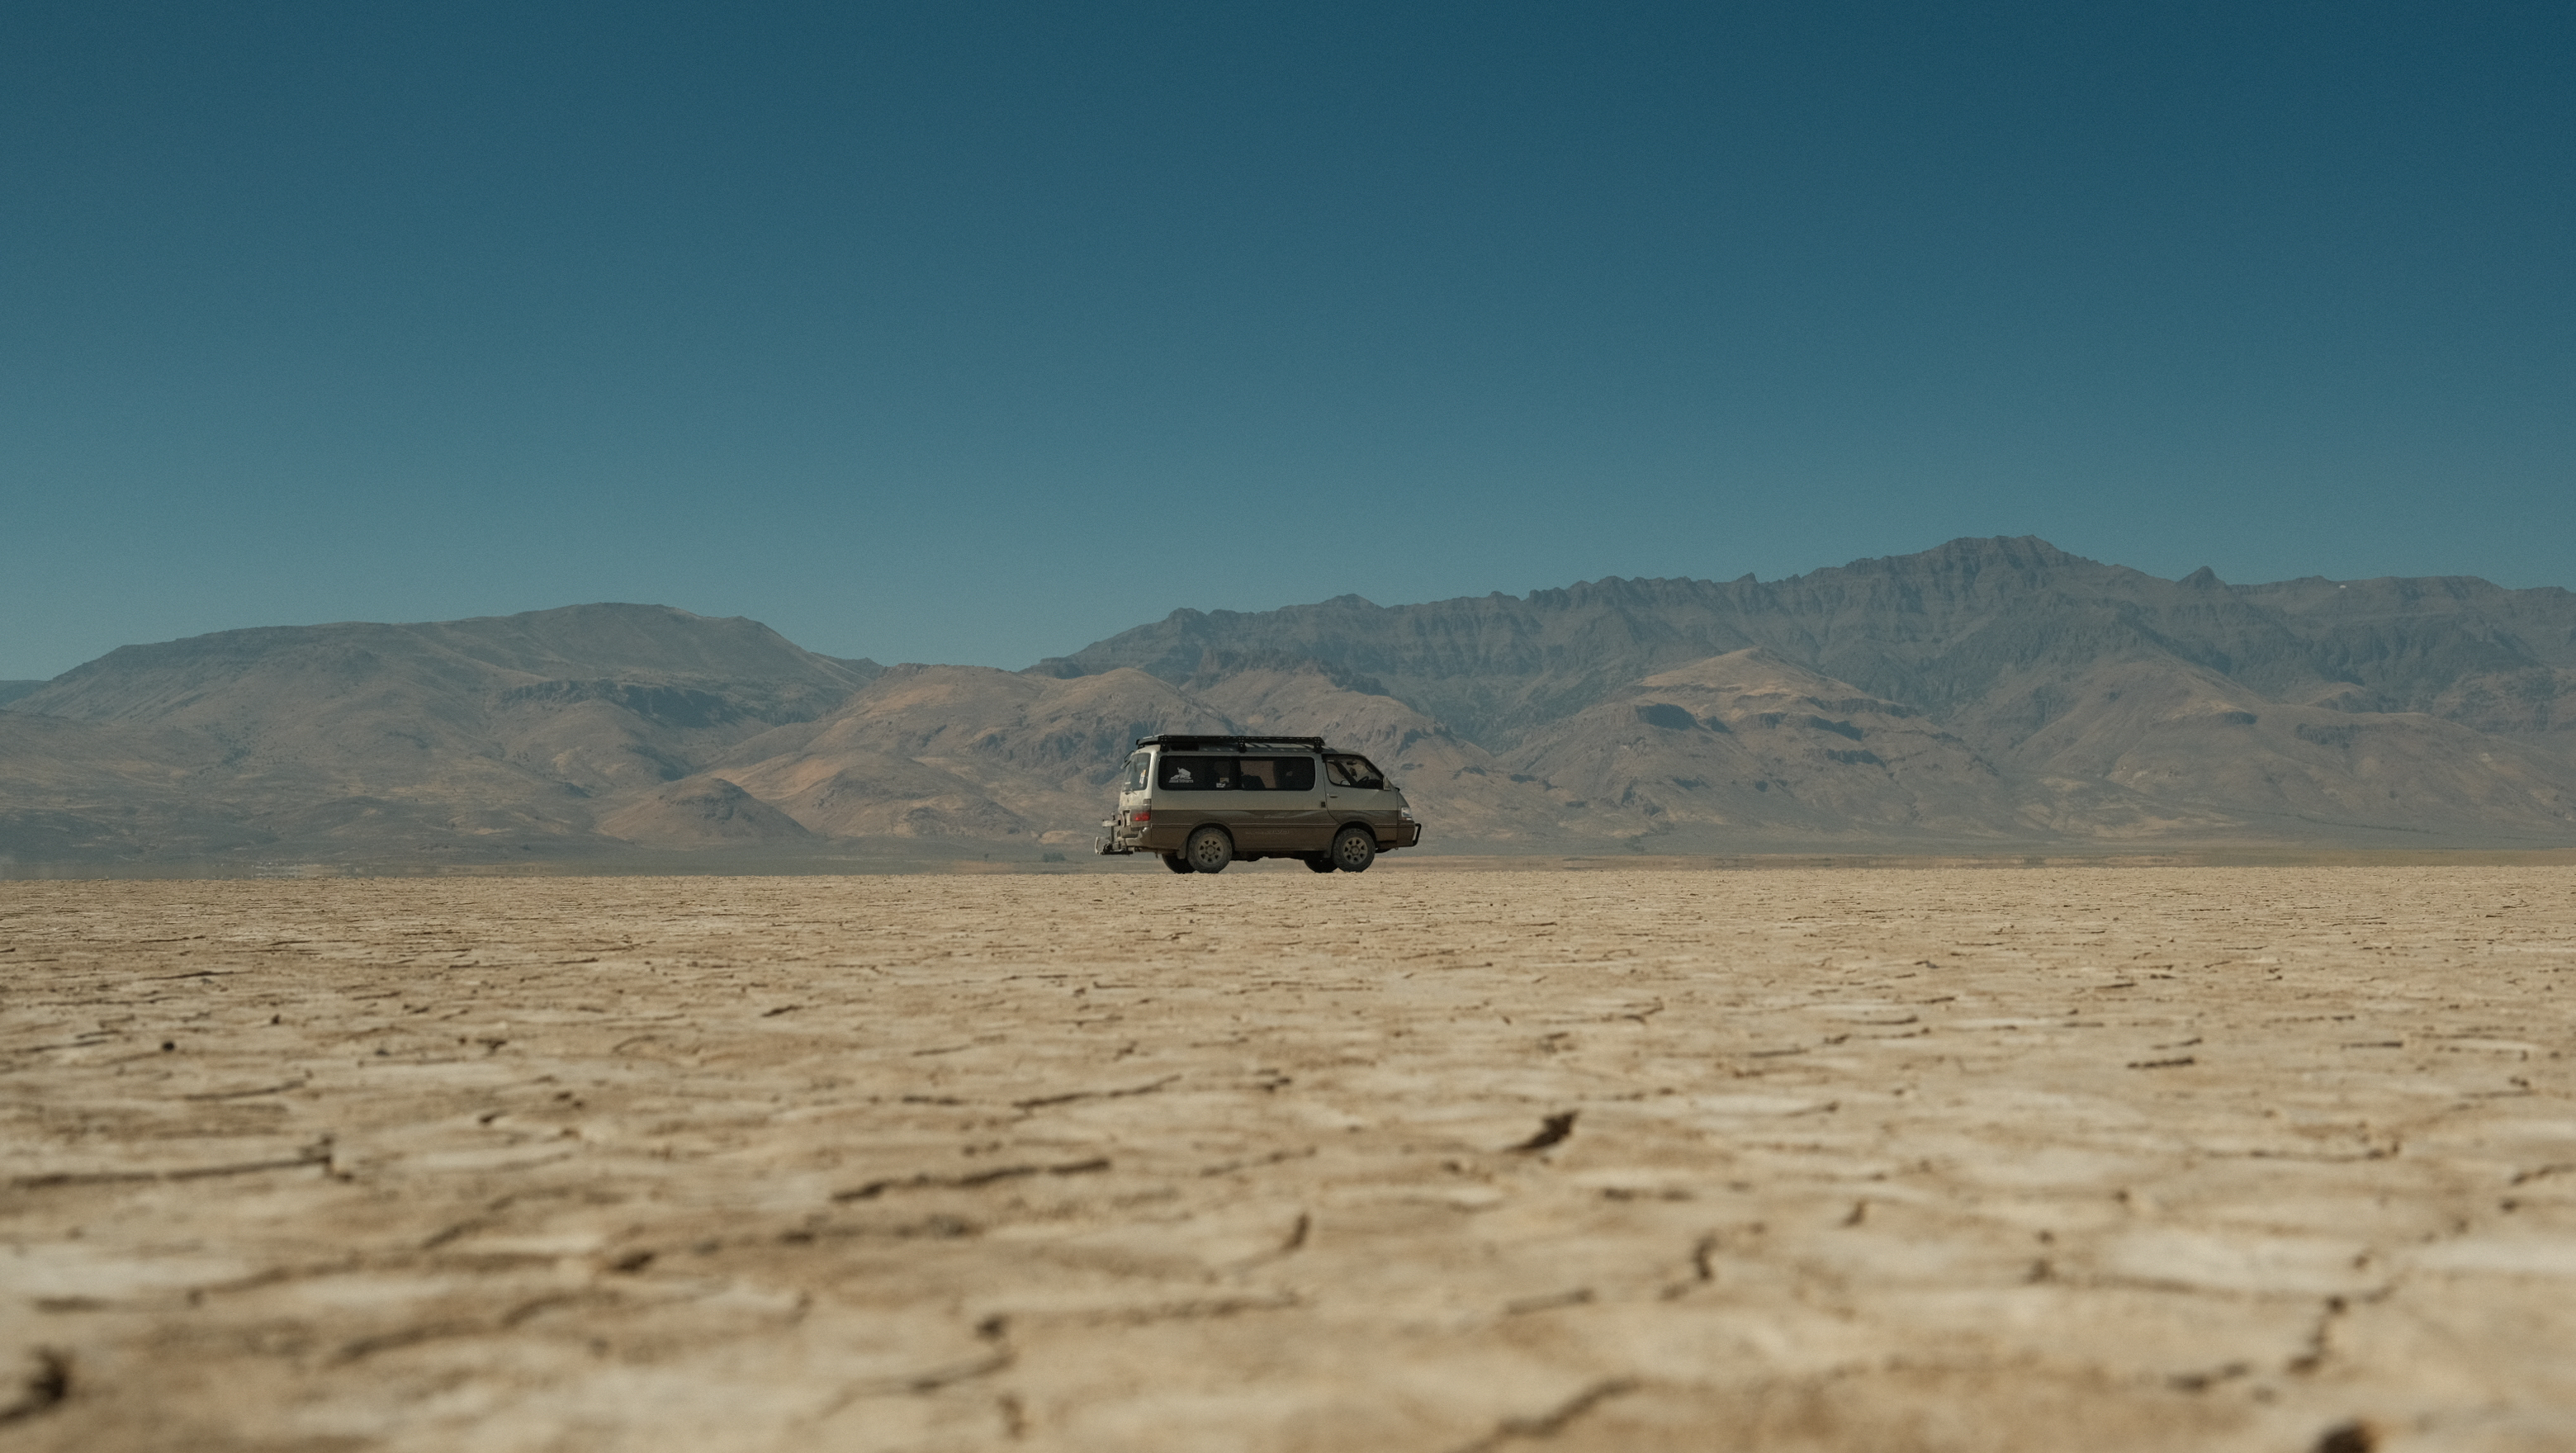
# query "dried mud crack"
(2256, 1161)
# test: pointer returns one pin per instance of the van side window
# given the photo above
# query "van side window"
(1278, 774)
(1195, 774)
(1353, 772)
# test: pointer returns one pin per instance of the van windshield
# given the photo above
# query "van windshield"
(1353, 772)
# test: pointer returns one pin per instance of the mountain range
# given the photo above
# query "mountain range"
(1990, 694)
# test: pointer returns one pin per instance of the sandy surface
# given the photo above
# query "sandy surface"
(1975, 1159)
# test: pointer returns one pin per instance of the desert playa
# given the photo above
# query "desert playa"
(2261, 1158)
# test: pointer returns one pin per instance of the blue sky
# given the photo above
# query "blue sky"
(911, 329)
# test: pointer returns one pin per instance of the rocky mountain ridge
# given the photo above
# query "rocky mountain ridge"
(1952, 629)
(1988, 693)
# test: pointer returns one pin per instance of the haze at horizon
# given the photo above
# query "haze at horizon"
(978, 335)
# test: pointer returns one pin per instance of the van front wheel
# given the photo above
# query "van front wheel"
(1177, 863)
(1354, 848)
(1209, 850)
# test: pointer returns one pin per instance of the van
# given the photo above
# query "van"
(1201, 802)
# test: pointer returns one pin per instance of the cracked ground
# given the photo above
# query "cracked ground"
(1990, 1159)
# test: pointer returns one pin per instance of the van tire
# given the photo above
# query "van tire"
(1354, 848)
(1208, 850)
(1177, 863)
(1320, 863)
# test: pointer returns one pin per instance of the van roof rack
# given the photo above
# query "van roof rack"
(1193, 742)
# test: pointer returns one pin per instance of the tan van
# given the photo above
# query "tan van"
(1203, 802)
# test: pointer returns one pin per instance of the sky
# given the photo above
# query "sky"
(977, 332)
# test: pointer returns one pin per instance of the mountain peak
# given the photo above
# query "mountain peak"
(1970, 556)
(2020, 551)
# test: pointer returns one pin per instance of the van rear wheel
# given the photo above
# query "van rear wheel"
(1209, 850)
(1177, 863)
(1320, 863)
(1354, 848)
